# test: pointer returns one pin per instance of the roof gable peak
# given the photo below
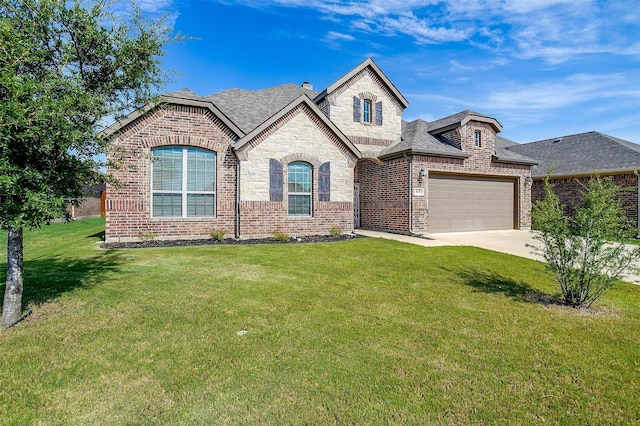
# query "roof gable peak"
(367, 63)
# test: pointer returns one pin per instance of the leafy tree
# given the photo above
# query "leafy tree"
(65, 65)
(584, 251)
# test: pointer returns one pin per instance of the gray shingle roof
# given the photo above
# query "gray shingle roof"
(417, 139)
(459, 119)
(250, 108)
(583, 153)
(504, 142)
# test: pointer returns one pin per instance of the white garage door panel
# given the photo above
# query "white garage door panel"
(470, 204)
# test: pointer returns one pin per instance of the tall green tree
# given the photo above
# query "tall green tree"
(65, 65)
(585, 251)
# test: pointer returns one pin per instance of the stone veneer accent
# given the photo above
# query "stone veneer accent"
(297, 136)
(341, 108)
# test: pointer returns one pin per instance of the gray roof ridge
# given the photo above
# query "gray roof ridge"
(624, 143)
(309, 92)
(558, 138)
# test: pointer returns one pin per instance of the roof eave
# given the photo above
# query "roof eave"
(412, 151)
(120, 124)
(492, 121)
(497, 159)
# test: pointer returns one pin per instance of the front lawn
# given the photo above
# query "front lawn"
(356, 332)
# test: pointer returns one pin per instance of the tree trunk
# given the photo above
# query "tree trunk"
(12, 306)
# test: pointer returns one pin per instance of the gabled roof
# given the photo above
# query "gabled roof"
(250, 108)
(581, 154)
(180, 97)
(416, 139)
(460, 119)
(302, 99)
(367, 63)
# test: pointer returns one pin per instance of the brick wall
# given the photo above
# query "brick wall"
(259, 219)
(569, 191)
(383, 194)
(128, 213)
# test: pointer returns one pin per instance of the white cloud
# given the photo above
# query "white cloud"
(551, 96)
(553, 30)
(333, 35)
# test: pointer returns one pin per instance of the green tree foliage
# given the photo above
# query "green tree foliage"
(585, 251)
(65, 65)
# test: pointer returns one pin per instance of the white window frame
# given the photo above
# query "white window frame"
(309, 194)
(477, 138)
(184, 192)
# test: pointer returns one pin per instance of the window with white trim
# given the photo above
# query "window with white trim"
(299, 189)
(477, 139)
(183, 182)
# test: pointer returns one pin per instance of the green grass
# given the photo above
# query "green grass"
(358, 332)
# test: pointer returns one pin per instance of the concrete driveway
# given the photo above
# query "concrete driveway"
(510, 242)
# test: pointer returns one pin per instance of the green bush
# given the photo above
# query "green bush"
(147, 236)
(584, 251)
(217, 234)
(335, 231)
(280, 236)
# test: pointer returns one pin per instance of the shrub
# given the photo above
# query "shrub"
(584, 251)
(146, 236)
(335, 231)
(280, 236)
(217, 234)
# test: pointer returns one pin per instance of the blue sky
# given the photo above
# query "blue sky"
(543, 68)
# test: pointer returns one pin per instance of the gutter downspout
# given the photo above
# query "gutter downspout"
(637, 174)
(237, 218)
(410, 200)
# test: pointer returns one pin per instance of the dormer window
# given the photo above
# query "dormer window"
(477, 139)
(366, 111)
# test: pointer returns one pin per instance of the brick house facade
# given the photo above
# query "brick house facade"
(571, 161)
(297, 161)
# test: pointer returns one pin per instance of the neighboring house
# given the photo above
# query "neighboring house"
(92, 205)
(295, 160)
(571, 161)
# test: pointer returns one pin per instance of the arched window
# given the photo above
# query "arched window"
(299, 189)
(183, 182)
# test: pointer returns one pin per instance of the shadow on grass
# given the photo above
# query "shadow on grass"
(98, 235)
(496, 283)
(46, 279)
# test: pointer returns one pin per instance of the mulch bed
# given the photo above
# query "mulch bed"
(227, 241)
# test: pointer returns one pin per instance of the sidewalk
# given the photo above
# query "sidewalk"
(510, 242)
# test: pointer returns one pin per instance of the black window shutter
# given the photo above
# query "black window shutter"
(357, 113)
(324, 184)
(275, 180)
(379, 113)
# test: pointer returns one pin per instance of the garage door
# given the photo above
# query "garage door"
(459, 203)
